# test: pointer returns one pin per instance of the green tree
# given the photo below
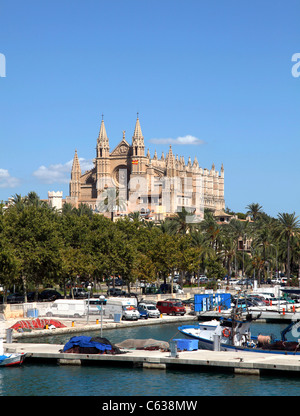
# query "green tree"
(9, 269)
(33, 233)
(165, 255)
(182, 222)
(254, 210)
(288, 227)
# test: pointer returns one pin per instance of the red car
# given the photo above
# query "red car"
(171, 307)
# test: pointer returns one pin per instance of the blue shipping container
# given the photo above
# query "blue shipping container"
(208, 302)
(117, 317)
(32, 313)
(186, 344)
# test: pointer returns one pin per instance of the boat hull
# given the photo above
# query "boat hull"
(12, 359)
(207, 344)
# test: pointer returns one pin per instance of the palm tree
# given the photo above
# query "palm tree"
(33, 199)
(67, 209)
(206, 252)
(228, 247)
(211, 228)
(18, 202)
(111, 201)
(254, 210)
(182, 222)
(264, 239)
(167, 226)
(296, 256)
(288, 227)
(236, 230)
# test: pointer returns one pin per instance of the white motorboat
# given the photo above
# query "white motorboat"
(233, 334)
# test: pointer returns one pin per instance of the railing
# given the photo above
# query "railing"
(25, 307)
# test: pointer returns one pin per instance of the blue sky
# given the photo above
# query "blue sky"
(220, 71)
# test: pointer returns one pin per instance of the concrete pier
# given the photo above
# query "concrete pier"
(248, 363)
(80, 325)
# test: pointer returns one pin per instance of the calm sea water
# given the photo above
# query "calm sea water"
(54, 380)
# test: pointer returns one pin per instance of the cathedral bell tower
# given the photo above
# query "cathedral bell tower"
(138, 158)
(75, 184)
(102, 160)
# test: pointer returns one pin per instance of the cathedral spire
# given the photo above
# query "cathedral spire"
(138, 139)
(76, 166)
(102, 141)
(102, 133)
(138, 135)
(170, 163)
(75, 178)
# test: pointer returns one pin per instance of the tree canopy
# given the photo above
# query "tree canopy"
(42, 246)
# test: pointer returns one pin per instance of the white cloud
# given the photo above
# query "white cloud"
(7, 181)
(60, 173)
(185, 140)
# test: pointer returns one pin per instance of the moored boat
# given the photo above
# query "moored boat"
(233, 334)
(7, 360)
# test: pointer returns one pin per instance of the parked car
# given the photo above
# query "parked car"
(49, 295)
(176, 278)
(79, 293)
(151, 310)
(282, 280)
(178, 300)
(240, 302)
(244, 282)
(151, 290)
(171, 307)
(233, 281)
(15, 298)
(266, 302)
(20, 298)
(143, 312)
(166, 288)
(116, 292)
(32, 296)
(118, 282)
(267, 297)
(256, 301)
(188, 302)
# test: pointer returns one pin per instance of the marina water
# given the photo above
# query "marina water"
(54, 380)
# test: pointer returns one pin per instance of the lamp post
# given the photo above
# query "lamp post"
(102, 301)
(88, 310)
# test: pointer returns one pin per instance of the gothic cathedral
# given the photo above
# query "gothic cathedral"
(133, 181)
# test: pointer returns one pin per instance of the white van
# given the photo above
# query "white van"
(125, 307)
(67, 307)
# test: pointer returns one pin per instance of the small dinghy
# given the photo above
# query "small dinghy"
(7, 360)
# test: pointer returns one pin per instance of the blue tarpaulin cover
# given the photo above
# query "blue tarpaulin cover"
(86, 342)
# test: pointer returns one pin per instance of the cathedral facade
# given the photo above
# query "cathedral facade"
(127, 179)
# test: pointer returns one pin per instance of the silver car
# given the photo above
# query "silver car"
(153, 312)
